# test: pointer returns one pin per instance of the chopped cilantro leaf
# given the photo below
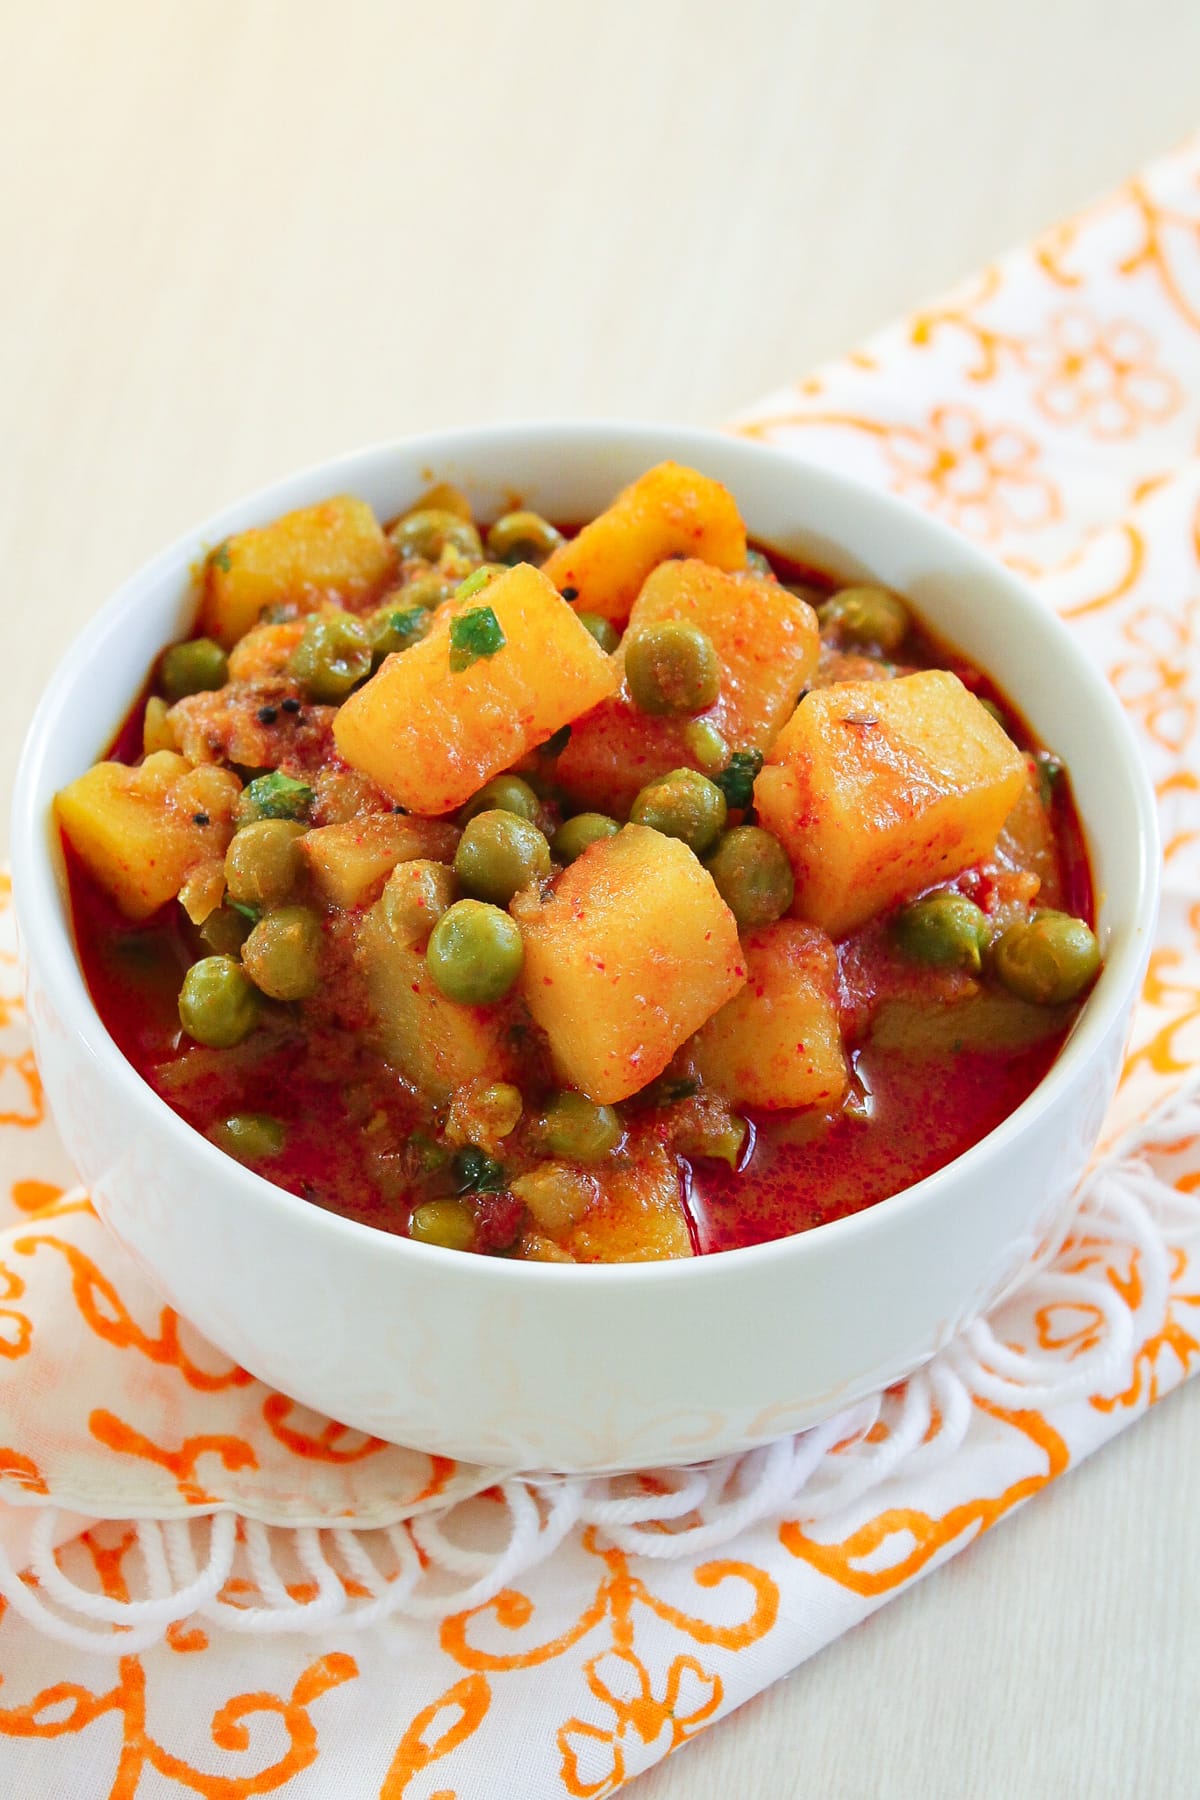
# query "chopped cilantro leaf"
(475, 1172)
(736, 779)
(429, 1154)
(253, 913)
(220, 557)
(669, 1089)
(473, 635)
(397, 630)
(275, 796)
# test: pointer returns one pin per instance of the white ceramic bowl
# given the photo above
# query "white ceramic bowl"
(543, 1365)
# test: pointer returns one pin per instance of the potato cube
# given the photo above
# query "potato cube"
(431, 733)
(778, 1043)
(768, 644)
(265, 651)
(671, 510)
(434, 1043)
(614, 750)
(347, 861)
(626, 957)
(879, 789)
(638, 1215)
(628, 1210)
(1027, 842)
(336, 550)
(140, 831)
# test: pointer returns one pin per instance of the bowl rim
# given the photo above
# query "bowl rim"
(47, 946)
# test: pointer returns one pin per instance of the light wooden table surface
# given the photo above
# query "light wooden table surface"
(240, 235)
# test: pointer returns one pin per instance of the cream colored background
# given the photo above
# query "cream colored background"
(235, 238)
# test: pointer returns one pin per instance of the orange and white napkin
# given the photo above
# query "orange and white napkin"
(267, 1601)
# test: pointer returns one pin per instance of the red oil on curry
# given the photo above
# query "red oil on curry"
(345, 1112)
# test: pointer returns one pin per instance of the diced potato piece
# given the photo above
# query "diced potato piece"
(638, 1215)
(433, 1042)
(984, 1020)
(483, 1113)
(768, 644)
(347, 861)
(335, 550)
(614, 750)
(1028, 842)
(343, 794)
(671, 510)
(430, 735)
(265, 651)
(443, 496)
(203, 889)
(766, 638)
(880, 789)
(557, 1194)
(158, 733)
(629, 1210)
(139, 831)
(779, 1043)
(628, 954)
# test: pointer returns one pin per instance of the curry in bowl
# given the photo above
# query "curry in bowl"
(593, 895)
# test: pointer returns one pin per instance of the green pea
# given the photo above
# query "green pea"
(416, 896)
(719, 1134)
(428, 532)
(225, 931)
(867, 615)
(707, 745)
(333, 655)
(428, 1154)
(498, 854)
(263, 861)
(425, 593)
(1049, 960)
(475, 953)
(604, 632)
(574, 835)
(672, 667)
(217, 1003)
(572, 1126)
(252, 1137)
(683, 804)
(395, 627)
(475, 1172)
(447, 1223)
(282, 955)
(193, 668)
(504, 793)
(522, 537)
(753, 875)
(736, 780)
(946, 931)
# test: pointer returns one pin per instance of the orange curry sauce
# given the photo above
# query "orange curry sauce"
(916, 1111)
